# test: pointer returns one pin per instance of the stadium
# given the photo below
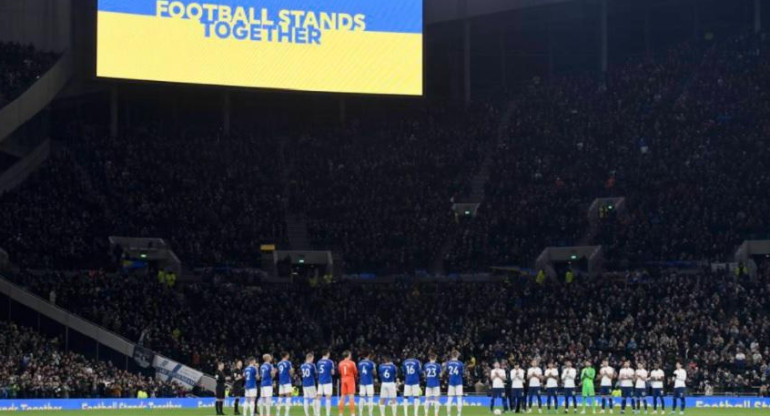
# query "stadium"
(384, 208)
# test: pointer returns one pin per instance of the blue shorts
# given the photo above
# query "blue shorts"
(627, 392)
(657, 392)
(517, 393)
(498, 392)
(679, 392)
(641, 392)
(552, 391)
(533, 391)
(605, 390)
(569, 391)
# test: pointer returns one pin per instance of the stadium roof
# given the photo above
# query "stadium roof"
(446, 10)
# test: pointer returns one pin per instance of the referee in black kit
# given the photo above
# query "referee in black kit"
(220, 378)
(237, 390)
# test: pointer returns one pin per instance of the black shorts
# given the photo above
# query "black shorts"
(220, 392)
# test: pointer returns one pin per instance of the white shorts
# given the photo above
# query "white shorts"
(432, 391)
(267, 391)
(388, 391)
(325, 389)
(411, 390)
(251, 393)
(309, 392)
(285, 389)
(455, 391)
(366, 390)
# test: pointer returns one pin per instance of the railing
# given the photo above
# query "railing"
(73, 322)
(23, 168)
(37, 97)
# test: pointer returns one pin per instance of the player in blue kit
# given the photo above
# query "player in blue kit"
(285, 372)
(454, 370)
(412, 370)
(266, 374)
(250, 385)
(387, 372)
(308, 373)
(366, 373)
(325, 367)
(432, 371)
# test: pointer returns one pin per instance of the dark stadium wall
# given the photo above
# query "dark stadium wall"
(46, 24)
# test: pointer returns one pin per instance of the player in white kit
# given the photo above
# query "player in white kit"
(568, 376)
(607, 374)
(534, 376)
(680, 387)
(657, 377)
(641, 388)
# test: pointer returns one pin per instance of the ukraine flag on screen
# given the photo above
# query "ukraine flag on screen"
(351, 46)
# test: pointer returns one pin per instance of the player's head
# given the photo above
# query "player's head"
(309, 357)
(386, 358)
(252, 360)
(220, 366)
(678, 365)
(347, 354)
(533, 363)
(455, 354)
(267, 358)
(588, 363)
(516, 365)
(551, 364)
(285, 355)
(626, 364)
(326, 353)
(640, 364)
(568, 364)
(496, 364)
(239, 364)
(432, 357)
(605, 363)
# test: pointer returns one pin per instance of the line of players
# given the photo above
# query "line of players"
(316, 380)
(635, 386)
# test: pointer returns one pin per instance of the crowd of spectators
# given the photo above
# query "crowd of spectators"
(34, 366)
(705, 319)
(679, 135)
(380, 193)
(20, 66)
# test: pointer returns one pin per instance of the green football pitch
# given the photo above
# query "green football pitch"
(468, 411)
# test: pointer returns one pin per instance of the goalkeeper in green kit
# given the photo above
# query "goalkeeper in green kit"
(587, 377)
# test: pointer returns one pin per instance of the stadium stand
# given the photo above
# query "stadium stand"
(20, 67)
(38, 367)
(680, 135)
(705, 318)
(693, 132)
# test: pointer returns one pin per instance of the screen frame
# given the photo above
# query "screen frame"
(129, 81)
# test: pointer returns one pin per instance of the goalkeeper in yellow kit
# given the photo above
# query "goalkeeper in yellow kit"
(587, 377)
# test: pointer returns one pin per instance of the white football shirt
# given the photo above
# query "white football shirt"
(517, 377)
(641, 378)
(568, 377)
(551, 378)
(657, 378)
(499, 381)
(626, 377)
(680, 378)
(607, 373)
(533, 374)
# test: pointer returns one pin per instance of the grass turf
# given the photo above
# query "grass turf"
(467, 411)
